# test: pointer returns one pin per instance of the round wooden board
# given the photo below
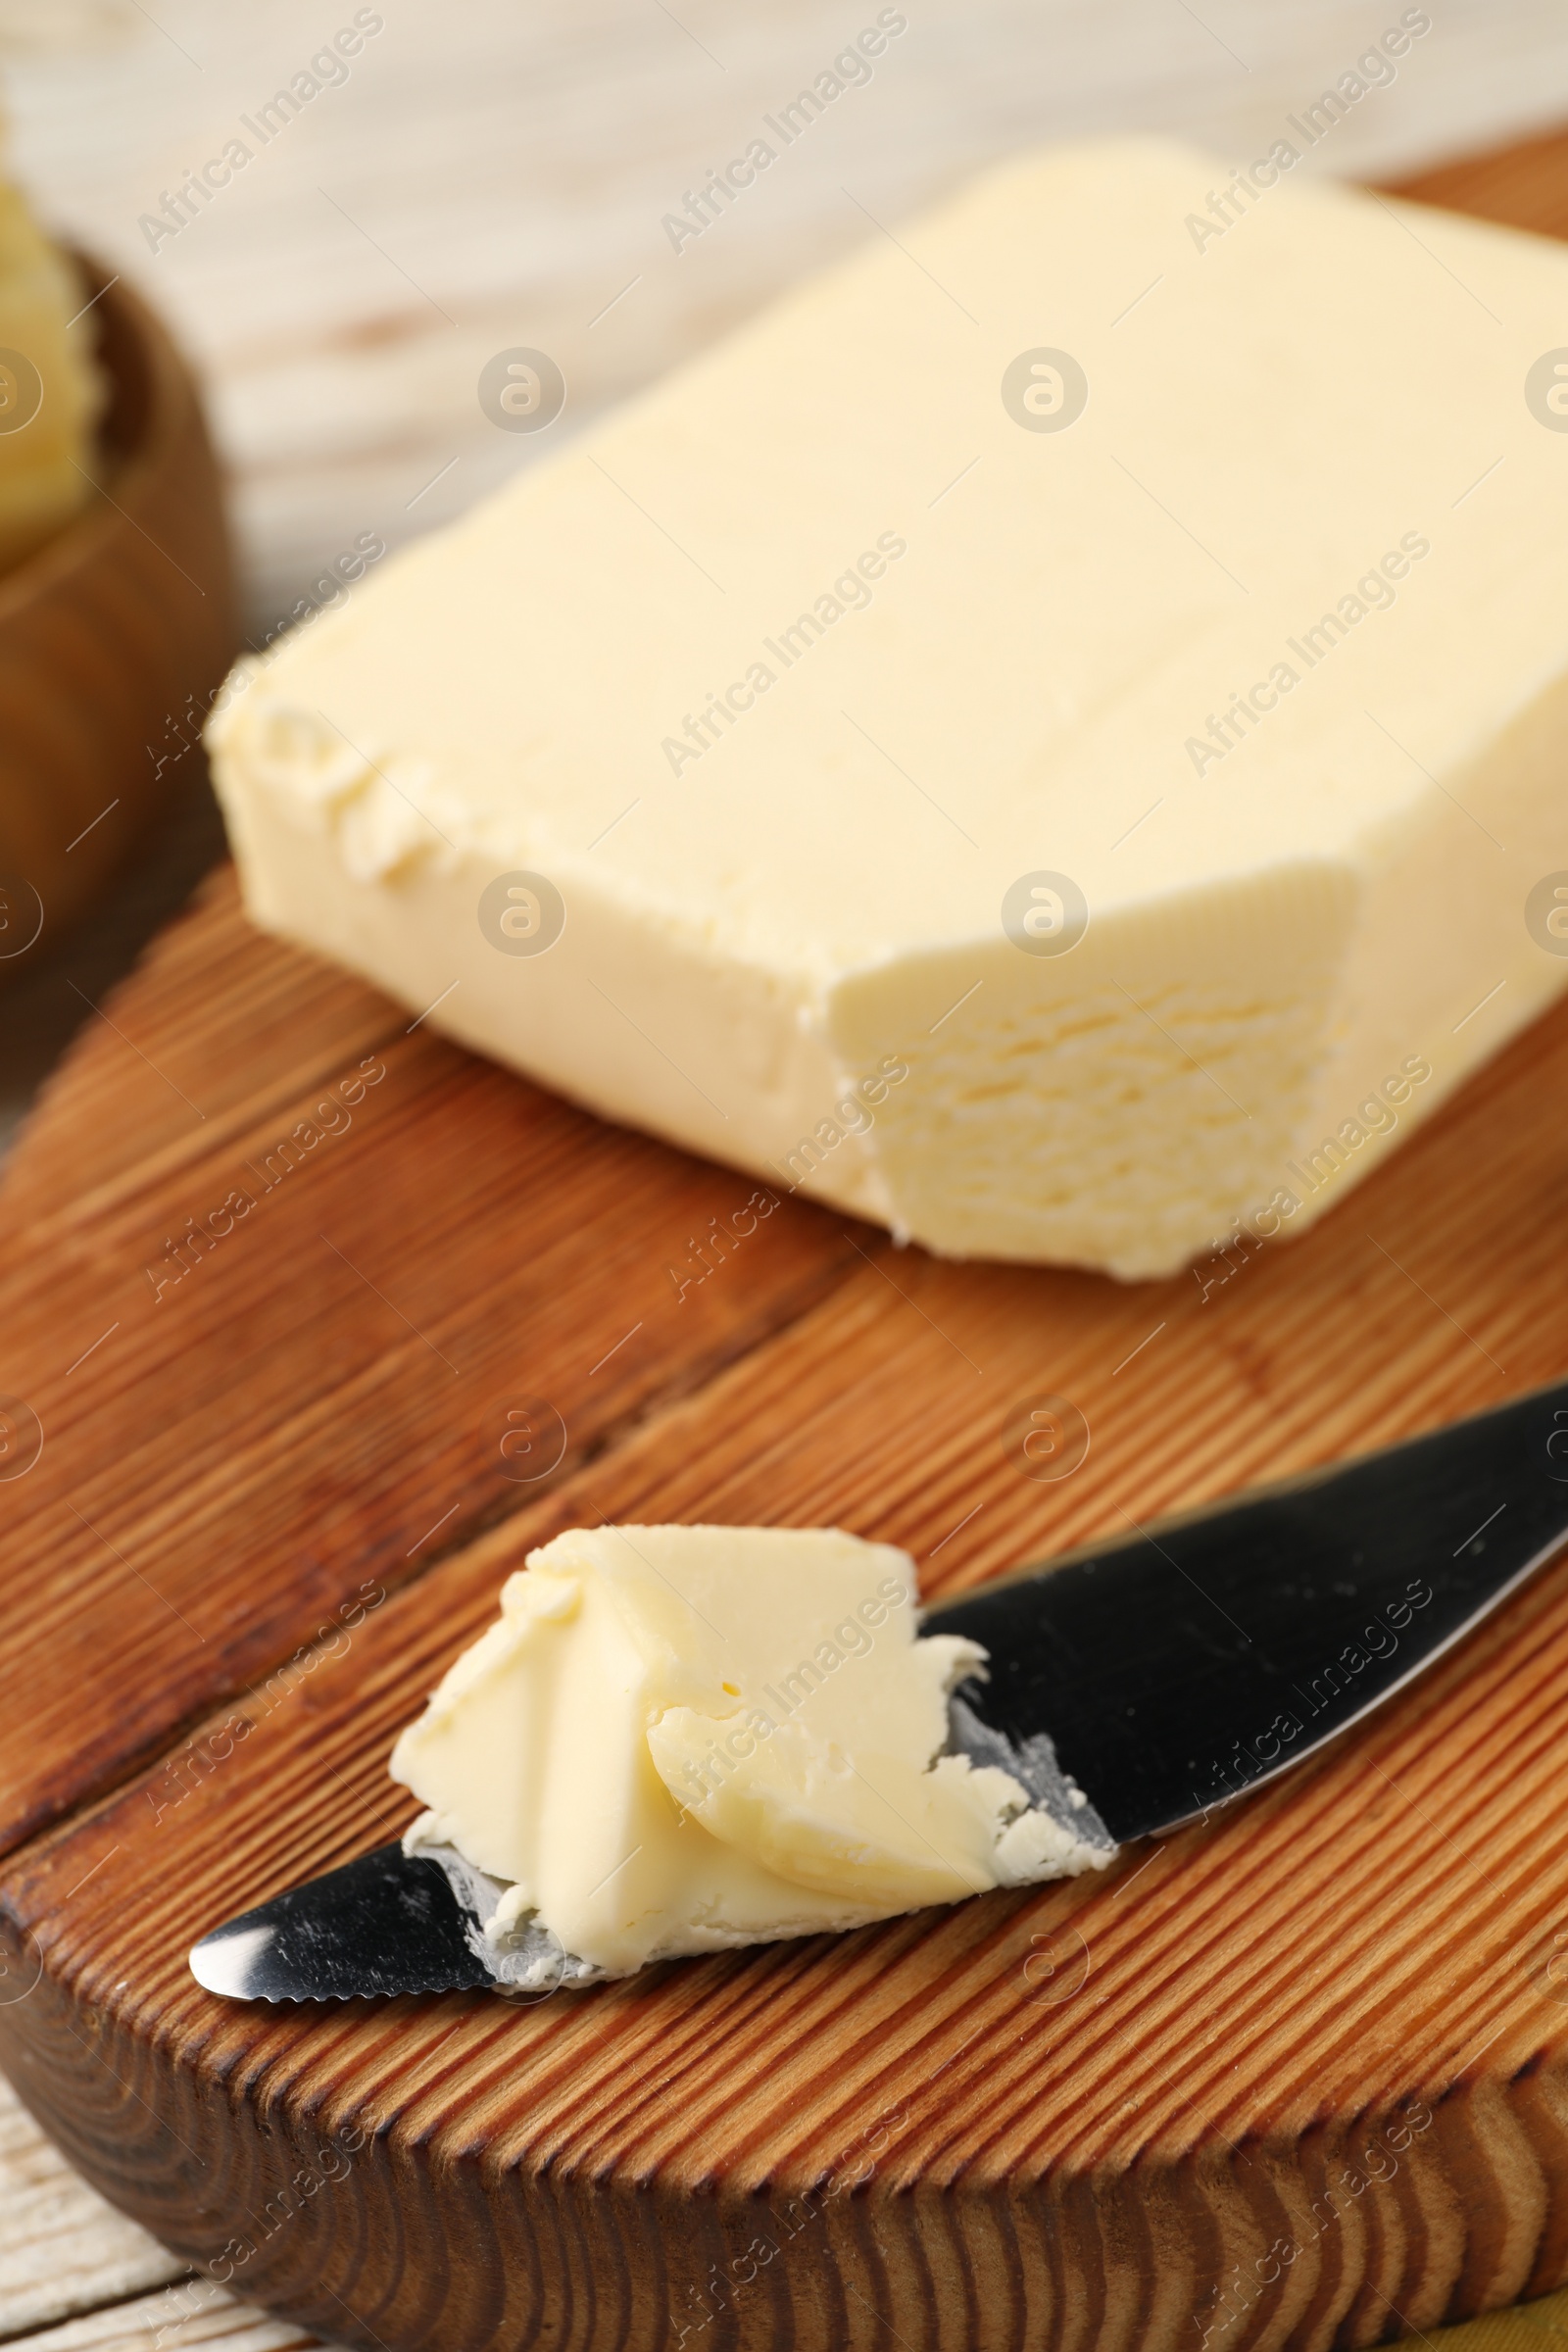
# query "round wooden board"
(1296, 2077)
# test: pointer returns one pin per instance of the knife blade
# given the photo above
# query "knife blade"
(1180, 1668)
(1165, 1675)
(385, 1924)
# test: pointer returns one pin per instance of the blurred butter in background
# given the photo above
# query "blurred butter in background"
(51, 391)
(117, 608)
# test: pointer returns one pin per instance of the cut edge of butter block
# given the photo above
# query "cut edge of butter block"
(679, 1739)
(790, 957)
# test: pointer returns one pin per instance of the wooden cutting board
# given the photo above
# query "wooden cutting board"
(1295, 2077)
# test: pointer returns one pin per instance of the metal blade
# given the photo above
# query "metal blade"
(1162, 1677)
(388, 1923)
(1176, 1670)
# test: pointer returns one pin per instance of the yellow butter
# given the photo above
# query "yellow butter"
(1059, 558)
(681, 1739)
(50, 387)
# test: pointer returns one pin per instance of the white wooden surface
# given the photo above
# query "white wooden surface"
(62, 2249)
(494, 173)
(77, 2277)
(173, 2323)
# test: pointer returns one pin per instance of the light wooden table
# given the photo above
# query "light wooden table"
(495, 174)
(78, 2275)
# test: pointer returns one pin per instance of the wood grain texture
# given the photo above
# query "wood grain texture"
(62, 2250)
(112, 634)
(74, 2275)
(195, 2318)
(992, 2117)
(1297, 2077)
(1525, 187)
(314, 1409)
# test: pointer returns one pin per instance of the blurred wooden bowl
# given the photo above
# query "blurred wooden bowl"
(114, 637)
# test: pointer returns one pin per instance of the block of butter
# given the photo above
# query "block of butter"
(682, 1739)
(50, 389)
(1052, 737)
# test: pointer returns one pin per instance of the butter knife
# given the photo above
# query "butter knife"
(1162, 1677)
